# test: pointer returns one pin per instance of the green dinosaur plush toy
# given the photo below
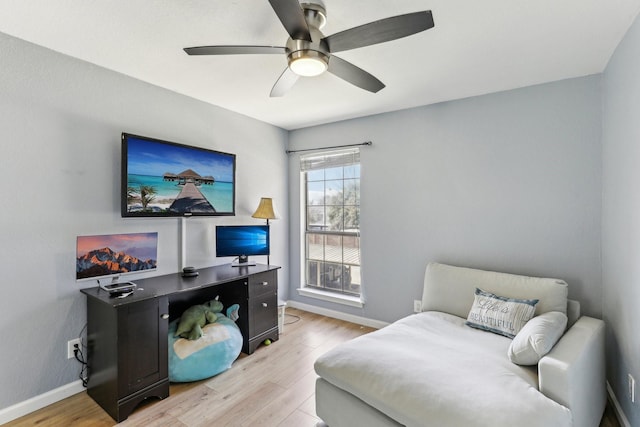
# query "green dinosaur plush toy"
(195, 317)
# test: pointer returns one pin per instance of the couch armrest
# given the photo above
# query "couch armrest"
(573, 373)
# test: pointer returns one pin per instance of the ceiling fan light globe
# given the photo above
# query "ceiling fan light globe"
(308, 67)
(308, 63)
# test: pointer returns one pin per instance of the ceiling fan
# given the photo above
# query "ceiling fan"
(311, 53)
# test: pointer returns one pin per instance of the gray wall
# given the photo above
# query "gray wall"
(508, 181)
(60, 128)
(621, 218)
(519, 181)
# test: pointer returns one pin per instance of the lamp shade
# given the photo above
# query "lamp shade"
(265, 209)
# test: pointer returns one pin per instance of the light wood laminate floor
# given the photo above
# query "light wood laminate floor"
(272, 387)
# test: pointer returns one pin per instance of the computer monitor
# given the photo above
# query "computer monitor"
(242, 241)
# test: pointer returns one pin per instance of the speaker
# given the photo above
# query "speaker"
(189, 272)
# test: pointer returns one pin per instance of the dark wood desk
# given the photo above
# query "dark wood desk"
(127, 337)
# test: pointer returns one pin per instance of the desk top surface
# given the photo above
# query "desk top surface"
(170, 284)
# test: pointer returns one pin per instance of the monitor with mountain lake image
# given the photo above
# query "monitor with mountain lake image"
(167, 179)
(110, 256)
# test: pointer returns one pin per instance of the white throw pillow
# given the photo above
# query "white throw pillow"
(500, 315)
(537, 338)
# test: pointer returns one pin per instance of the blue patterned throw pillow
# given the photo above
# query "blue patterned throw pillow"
(500, 315)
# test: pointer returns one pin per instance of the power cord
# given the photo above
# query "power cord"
(77, 352)
(295, 319)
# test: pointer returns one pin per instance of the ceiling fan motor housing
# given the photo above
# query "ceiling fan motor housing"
(310, 58)
(315, 14)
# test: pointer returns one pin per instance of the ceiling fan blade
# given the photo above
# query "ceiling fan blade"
(380, 31)
(285, 82)
(233, 50)
(354, 75)
(292, 17)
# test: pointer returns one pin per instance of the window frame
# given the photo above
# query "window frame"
(327, 265)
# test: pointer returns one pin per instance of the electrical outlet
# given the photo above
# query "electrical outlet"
(71, 347)
(417, 306)
(632, 388)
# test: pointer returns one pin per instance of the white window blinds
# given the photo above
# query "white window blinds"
(329, 159)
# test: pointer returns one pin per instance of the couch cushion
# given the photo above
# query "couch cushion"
(498, 314)
(451, 289)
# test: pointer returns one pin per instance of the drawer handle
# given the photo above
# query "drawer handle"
(265, 283)
(264, 304)
(165, 316)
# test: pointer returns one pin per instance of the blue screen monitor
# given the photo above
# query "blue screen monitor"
(242, 241)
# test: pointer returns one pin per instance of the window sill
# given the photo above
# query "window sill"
(331, 297)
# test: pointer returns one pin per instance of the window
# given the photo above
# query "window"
(332, 221)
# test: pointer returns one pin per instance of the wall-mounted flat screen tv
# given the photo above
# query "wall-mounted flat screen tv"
(112, 255)
(163, 179)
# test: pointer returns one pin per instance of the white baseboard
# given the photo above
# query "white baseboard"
(337, 315)
(38, 402)
(616, 406)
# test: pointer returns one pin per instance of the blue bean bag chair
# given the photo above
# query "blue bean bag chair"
(211, 354)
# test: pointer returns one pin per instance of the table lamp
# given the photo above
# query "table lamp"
(265, 211)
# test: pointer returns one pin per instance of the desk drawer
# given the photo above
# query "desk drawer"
(264, 313)
(263, 283)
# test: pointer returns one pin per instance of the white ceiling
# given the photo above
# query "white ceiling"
(476, 47)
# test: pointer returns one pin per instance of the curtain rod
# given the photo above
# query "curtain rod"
(329, 148)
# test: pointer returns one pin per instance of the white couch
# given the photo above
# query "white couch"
(431, 369)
